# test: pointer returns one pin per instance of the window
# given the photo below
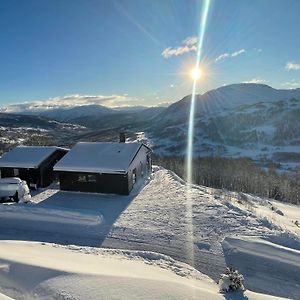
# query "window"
(91, 178)
(16, 172)
(134, 176)
(81, 178)
(87, 178)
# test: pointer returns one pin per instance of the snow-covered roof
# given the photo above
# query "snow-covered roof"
(27, 156)
(99, 157)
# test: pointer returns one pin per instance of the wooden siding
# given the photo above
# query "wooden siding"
(94, 182)
(41, 176)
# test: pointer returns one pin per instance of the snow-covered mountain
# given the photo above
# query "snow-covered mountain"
(58, 113)
(227, 98)
(250, 120)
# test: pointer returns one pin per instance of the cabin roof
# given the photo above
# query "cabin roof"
(99, 157)
(27, 156)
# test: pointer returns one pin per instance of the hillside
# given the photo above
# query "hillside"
(18, 129)
(256, 127)
(161, 218)
(226, 98)
(85, 273)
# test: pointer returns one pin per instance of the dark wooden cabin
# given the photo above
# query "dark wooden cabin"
(104, 167)
(34, 164)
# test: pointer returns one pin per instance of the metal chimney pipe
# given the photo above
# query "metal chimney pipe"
(122, 137)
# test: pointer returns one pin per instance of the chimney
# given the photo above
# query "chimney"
(122, 137)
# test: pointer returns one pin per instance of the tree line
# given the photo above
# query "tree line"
(237, 174)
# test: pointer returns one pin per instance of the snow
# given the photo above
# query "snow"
(70, 272)
(259, 260)
(282, 214)
(10, 180)
(156, 218)
(99, 157)
(26, 156)
(37, 221)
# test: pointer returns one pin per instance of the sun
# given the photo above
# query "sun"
(196, 73)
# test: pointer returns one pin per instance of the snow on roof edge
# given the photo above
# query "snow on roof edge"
(61, 166)
(89, 170)
(28, 165)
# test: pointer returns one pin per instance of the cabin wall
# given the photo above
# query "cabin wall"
(42, 176)
(140, 166)
(46, 168)
(94, 182)
(29, 175)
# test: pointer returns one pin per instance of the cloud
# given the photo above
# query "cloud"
(292, 66)
(70, 101)
(190, 41)
(233, 54)
(256, 80)
(291, 84)
(189, 44)
(236, 53)
(222, 56)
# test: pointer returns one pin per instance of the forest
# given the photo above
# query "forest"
(239, 175)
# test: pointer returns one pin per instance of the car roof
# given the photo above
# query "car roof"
(15, 180)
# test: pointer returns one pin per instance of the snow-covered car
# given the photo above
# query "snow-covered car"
(14, 188)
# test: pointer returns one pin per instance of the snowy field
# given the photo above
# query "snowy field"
(70, 272)
(157, 218)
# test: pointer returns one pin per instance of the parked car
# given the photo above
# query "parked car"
(13, 188)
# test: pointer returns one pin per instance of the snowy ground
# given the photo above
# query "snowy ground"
(158, 219)
(267, 262)
(71, 272)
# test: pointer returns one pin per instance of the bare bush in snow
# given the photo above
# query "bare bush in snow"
(230, 281)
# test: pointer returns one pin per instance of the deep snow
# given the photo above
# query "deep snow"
(156, 218)
(72, 272)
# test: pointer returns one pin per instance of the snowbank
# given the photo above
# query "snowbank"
(34, 271)
(267, 267)
(33, 219)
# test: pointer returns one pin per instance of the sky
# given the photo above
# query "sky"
(140, 52)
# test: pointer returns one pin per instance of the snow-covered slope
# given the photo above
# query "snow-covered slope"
(227, 97)
(161, 217)
(263, 131)
(47, 271)
(264, 261)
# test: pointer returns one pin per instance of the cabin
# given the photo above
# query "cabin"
(104, 167)
(34, 164)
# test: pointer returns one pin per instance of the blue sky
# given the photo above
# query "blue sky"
(140, 52)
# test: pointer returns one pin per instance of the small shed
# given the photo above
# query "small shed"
(34, 164)
(104, 167)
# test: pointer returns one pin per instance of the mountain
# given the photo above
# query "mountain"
(250, 120)
(117, 118)
(226, 98)
(94, 115)
(68, 114)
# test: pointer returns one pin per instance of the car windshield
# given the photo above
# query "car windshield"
(150, 149)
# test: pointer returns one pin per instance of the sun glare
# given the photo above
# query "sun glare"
(196, 73)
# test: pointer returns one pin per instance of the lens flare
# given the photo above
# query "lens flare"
(196, 74)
